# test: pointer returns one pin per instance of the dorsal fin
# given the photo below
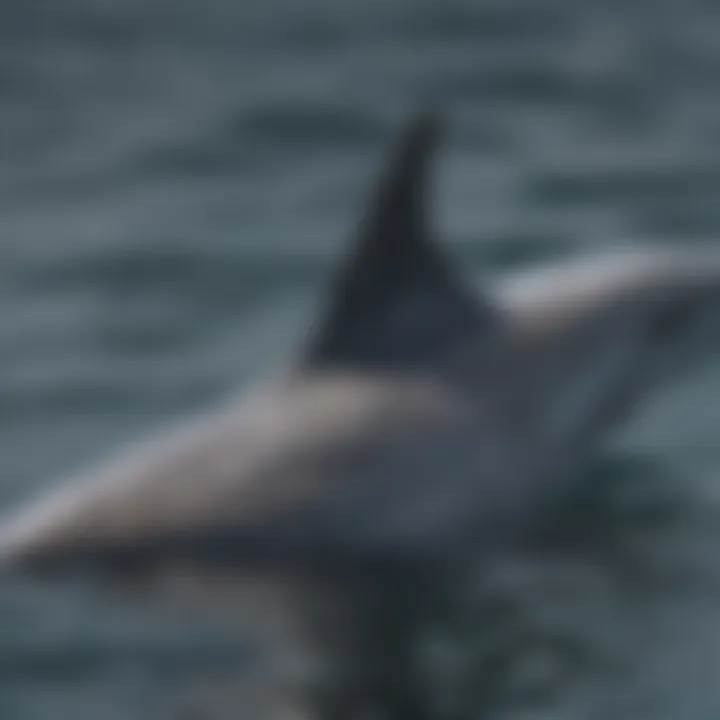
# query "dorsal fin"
(397, 302)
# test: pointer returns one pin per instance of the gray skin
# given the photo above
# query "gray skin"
(424, 427)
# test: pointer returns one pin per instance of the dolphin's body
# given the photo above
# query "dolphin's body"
(424, 425)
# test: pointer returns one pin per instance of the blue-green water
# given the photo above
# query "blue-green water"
(175, 179)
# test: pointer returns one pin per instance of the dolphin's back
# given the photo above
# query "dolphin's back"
(308, 464)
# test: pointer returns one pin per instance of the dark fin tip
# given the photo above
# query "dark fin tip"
(396, 292)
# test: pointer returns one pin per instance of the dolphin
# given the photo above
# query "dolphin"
(424, 425)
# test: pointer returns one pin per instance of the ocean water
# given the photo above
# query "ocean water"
(176, 179)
